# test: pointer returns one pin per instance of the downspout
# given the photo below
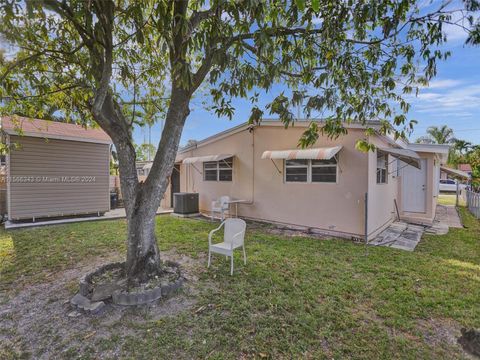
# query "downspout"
(251, 202)
(7, 163)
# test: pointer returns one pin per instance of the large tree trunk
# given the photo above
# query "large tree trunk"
(143, 259)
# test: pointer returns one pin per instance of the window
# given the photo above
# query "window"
(210, 171)
(218, 170)
(308, 171)
(296, 170)
(382, 168)
(324, 170)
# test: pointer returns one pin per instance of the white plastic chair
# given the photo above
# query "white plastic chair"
(221, 206)
(233, 238)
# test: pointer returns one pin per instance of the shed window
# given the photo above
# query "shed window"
(382, 168)
(218, 170)
(318, 171)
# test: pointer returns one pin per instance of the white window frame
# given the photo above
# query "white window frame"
(296, 167)
(218, 169)
(377, 169)
(309, 172)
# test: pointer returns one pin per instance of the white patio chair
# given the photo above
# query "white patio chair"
(221, 206)
(233, 238)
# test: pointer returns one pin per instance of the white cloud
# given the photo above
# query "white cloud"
(457, 29)
(444, 84)
(456, 101)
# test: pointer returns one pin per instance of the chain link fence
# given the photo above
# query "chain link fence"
(473, 203)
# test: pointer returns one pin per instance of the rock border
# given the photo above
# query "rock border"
(85, 280)
(134, 298)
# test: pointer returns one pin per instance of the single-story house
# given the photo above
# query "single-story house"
(143, 168)
(53, 169)
(331, 187)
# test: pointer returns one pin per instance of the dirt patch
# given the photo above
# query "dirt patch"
(439, 331)
(39, 322)
(442, 333)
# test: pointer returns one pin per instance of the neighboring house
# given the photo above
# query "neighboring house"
(56, 169)
(463, 172)
(143, 168)
(331, 187)
(467, 168)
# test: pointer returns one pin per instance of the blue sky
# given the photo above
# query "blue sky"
(453, 99)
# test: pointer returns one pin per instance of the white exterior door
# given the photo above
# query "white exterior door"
(414, 187)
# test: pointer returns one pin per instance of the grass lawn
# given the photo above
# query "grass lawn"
(297, 297)
(449, 199)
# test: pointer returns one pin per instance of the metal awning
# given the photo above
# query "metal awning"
(455, 172)
(409, 157)
(219, 157)
(324, 153)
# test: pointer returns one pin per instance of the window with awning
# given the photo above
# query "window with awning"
(316, 165)
(218, 170)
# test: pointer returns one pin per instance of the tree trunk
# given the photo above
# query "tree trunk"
(143, 259)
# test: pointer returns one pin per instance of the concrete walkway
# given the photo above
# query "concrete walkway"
(447, 214)
(406, 236)
(399, 235)
(118, 213)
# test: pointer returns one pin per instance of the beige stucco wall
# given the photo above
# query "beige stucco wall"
(381, 206)
(38, 157)
(336, 207)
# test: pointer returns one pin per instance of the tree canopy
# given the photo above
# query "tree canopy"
(145, 151)
(343, 61)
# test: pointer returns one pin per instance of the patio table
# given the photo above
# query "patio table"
(236, 202)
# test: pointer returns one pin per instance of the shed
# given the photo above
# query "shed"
(54, 169)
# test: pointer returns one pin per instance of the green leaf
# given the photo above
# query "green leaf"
(300, 4)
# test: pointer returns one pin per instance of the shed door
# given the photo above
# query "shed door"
(414, 187)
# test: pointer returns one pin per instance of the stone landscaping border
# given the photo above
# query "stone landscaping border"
(134, 298)
(146, 296)
(85, 281)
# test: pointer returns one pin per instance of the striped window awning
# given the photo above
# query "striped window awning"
(197, 159)
(323, 153)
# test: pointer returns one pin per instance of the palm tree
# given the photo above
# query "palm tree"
(462, 146)
(437, 135)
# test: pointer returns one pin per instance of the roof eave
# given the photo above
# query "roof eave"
(57, 137)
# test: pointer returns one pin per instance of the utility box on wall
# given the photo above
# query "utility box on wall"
(185, 203)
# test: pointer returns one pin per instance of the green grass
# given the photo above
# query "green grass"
(450, 199)
(297, 297)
